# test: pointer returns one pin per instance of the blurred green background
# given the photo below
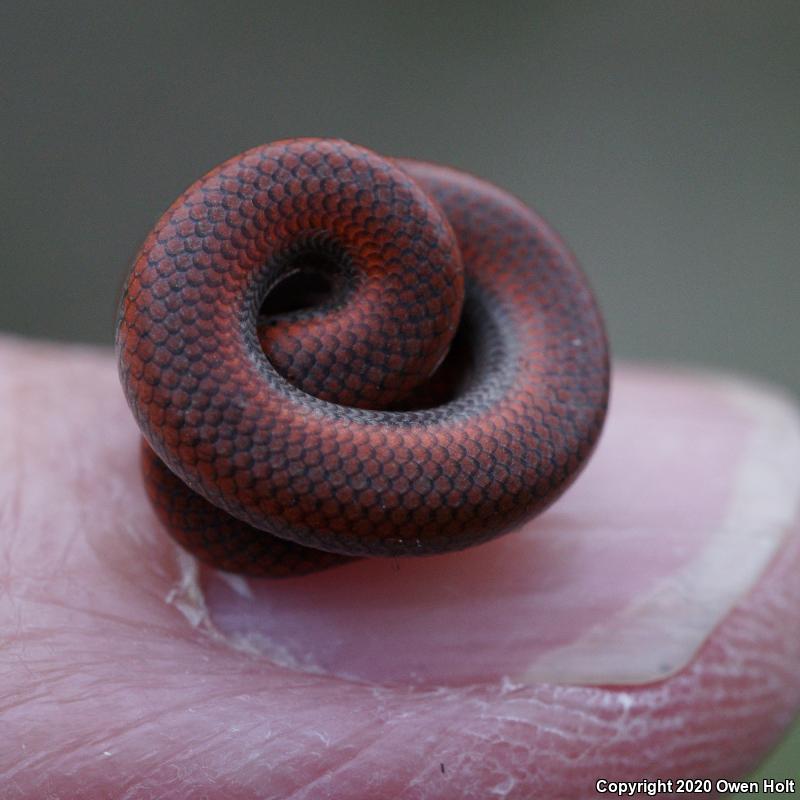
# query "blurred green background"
(662, 140)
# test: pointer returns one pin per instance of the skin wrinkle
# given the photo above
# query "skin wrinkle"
(337, 745)
(93, 613)
(107, 740)
(309, 791)
(190, 752)
(326, 776)
(422, 775)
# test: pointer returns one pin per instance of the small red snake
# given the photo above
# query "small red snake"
(430, 371)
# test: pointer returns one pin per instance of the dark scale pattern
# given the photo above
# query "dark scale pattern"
(289, 442)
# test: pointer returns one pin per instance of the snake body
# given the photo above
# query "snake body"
(449, 384)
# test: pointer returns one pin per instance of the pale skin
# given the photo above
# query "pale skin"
(110, 687)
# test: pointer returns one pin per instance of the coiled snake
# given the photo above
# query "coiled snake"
(332, 354)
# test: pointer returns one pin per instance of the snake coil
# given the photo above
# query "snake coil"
(332, 354)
